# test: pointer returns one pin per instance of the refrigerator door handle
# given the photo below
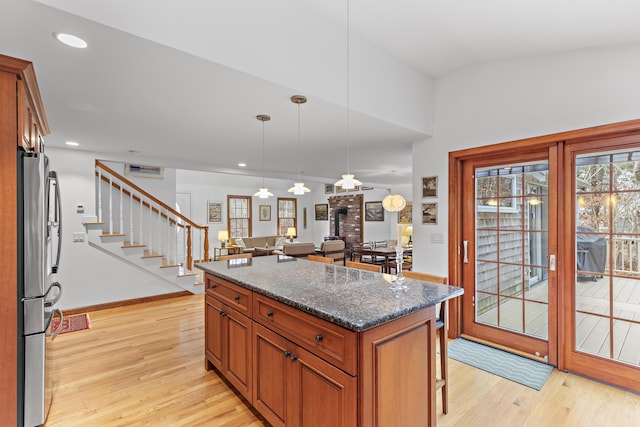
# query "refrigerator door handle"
(54, 333)
(53, 178)
(49, 303)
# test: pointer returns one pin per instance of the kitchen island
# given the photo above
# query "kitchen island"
(313, 344)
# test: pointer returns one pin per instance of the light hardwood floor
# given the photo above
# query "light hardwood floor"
(144, 365)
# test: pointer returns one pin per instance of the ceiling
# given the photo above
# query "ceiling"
(180, 83)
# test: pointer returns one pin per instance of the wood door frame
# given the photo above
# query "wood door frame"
(516, 152)
(622, 131)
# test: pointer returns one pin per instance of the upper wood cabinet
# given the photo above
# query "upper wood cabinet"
(31, 124)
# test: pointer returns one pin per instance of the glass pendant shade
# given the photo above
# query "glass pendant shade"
(348, 182)
(263, 193)
(298, 189)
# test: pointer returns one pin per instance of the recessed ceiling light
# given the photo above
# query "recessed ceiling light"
(242, 165)
(70, 40)
(71, 143)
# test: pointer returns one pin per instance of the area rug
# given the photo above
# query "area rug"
(74, 323)
(507, 365)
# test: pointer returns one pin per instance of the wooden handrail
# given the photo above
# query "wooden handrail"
(148, 196)
(168, 208)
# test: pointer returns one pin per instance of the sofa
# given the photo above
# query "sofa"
(334, 249)
(248, 244)
(297, 250)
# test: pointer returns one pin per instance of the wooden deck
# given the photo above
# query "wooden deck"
(593, 317)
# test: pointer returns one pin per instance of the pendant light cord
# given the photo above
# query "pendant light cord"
(348, 110)
(263, 153)
(298, 155)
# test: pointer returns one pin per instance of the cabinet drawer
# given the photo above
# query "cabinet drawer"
(328, 341)
(234, 296)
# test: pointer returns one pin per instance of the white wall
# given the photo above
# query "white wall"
(508, 100)
(89, 276)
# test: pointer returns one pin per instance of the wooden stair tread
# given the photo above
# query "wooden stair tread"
(170, 265)
(187, 274)
(148, 254)
(133, 245)
(93, 223)
(112, 235)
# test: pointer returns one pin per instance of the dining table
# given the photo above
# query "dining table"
(387, 252)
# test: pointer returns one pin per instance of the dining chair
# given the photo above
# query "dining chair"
(234, 256)
(364, 266)
(441, 328)
(318, 258)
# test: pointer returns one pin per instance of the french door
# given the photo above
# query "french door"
(602, 310)
(544, 238)
(508, 268)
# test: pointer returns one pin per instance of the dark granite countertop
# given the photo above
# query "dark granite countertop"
(354, 299)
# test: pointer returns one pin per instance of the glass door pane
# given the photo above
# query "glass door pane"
(512, 237)
(607, 248)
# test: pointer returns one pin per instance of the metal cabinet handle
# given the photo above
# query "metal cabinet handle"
(287, 353)
(294, 358)
(319, 338)
(214, 286)
(237, 298)
(223, 314)
(269, 313)
(54, 333)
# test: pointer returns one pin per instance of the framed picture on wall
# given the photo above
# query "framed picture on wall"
(328, 189)
(322, 212)
(405, 216)
(429, 186)
(373, 211)
(214, 211)
(265, 212)
(429, 213)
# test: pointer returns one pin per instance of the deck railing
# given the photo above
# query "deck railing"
(146, 220)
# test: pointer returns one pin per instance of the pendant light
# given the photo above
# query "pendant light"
(348, 181)
(298, 187)
(263, 193)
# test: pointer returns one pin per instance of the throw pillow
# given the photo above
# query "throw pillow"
(240, 243)
(280, 241)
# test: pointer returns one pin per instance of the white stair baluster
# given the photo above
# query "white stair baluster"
(99, 194)
(121, 229)
(150, 228)
(110, 204)
(140, 223)
(131, 237)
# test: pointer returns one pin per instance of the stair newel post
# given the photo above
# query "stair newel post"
(189, 255)
(206, 244)
(99, 194)
(131, 237)
(110, 204)
(121, 230)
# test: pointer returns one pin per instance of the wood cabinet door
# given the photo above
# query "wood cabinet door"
(271, 359)
(214, 332)
(321, 394)
(238, 358)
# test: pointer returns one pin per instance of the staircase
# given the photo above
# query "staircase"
(143, 231)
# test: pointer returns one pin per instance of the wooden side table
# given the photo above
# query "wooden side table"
(264, 251)
(227, 250)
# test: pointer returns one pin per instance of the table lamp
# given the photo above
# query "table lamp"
(408, 231)
(291, 233)
(223, 236)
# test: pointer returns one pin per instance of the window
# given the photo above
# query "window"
(239, 216)
(286, 215)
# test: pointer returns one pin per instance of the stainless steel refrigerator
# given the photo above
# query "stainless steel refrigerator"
(39, 244)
